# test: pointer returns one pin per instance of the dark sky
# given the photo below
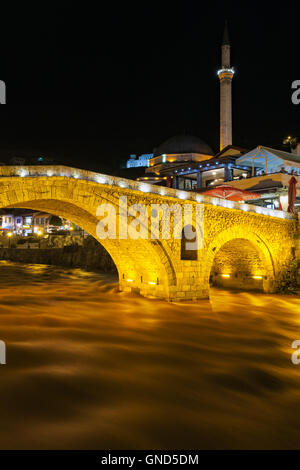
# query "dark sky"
(88, 86)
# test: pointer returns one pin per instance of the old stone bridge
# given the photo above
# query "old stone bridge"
(243, 245)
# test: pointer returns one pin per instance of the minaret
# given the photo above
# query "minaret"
(225, 75)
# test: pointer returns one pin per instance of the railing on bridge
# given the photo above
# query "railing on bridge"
(86, 175)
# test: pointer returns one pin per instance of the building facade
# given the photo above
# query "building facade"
(31, 223)
(141, 161)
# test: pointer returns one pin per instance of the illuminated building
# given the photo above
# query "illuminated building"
(141, 161)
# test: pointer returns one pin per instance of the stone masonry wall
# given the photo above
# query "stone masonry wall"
(91, 255)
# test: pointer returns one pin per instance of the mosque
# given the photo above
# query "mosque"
(189, 163)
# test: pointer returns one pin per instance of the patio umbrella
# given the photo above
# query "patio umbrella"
(232, 193)
(292, 194)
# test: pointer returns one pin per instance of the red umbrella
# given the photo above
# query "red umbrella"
(232, 193)
(292, 194)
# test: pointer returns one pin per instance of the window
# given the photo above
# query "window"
(188, 239)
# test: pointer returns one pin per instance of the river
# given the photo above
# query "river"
(90, 367)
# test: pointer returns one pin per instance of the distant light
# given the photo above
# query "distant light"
(122, 184)
(199, 198)
(257, 277)
(145, 187)
(129, 280)
(23, 173)
(9, 234)
(214, 172)
(101, 180)
(225, 275)
(182, 195)
(76, 176)
(152, 283)
(49, 173)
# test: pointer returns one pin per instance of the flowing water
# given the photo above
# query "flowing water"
(89, 367)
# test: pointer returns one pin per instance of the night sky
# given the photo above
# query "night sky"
(90, 86)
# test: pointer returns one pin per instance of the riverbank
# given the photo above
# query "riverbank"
(91, 255)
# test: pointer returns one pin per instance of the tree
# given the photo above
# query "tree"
(55, 220)
(291, 142)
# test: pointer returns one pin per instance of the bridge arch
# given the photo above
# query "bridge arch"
(240, 258)
(144, 266)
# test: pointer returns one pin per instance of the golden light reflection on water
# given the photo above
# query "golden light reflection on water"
(89, 367)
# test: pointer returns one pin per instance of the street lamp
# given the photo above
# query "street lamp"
(9, 234)
(39, 234)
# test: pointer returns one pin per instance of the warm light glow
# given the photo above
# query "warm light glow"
(225, 275)
(129, 280)
(257, 277)
(39, 233)
(152, 283)
(9, 234)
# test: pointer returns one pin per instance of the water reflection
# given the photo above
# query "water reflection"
(89, 367)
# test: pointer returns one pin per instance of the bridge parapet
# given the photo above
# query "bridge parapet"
(50, 171)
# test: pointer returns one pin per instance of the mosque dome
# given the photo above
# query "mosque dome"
(181, 144)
